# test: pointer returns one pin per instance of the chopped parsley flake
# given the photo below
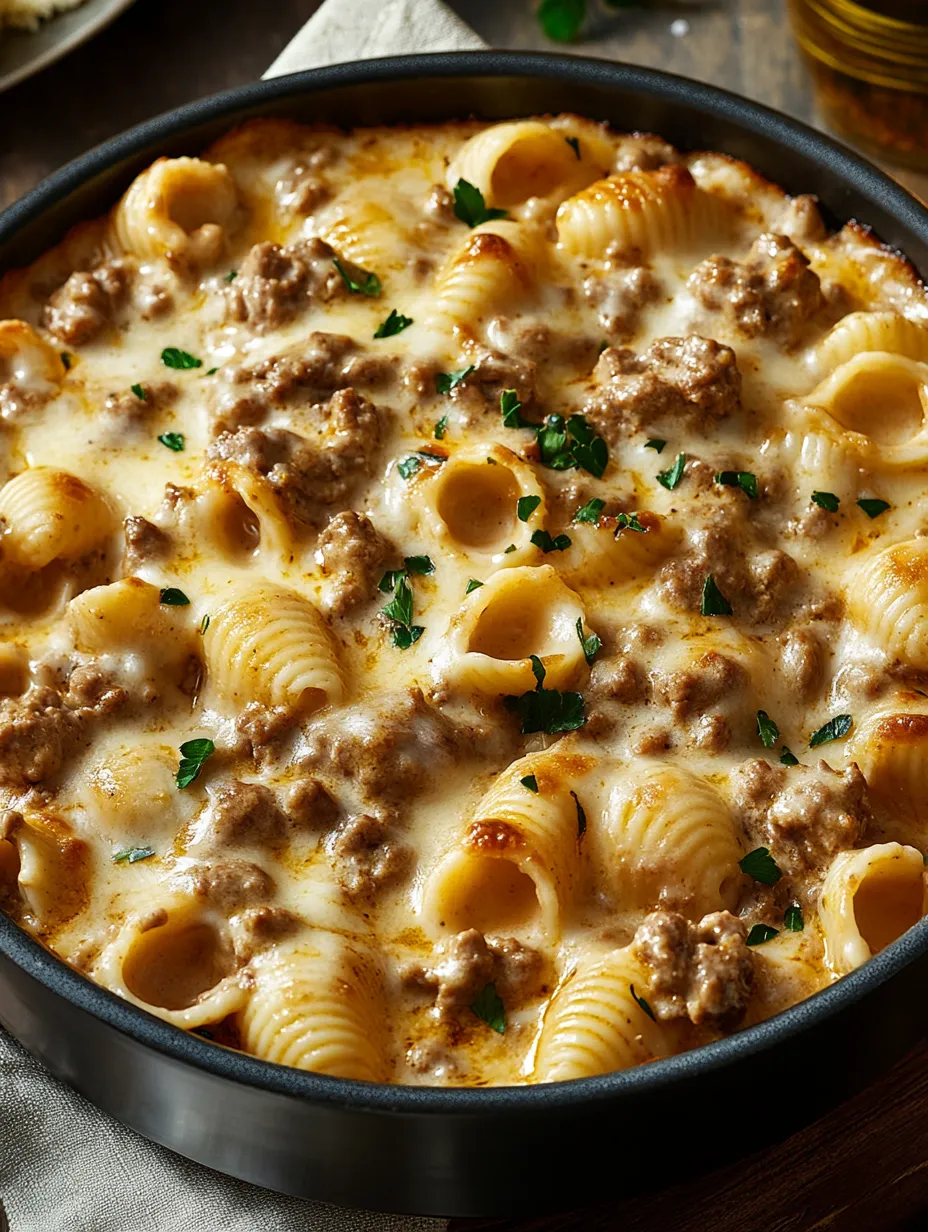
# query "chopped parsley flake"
(446, 381)
(409, 466)
(193, 754)
(792, 918)
(767, 730)
(574, 143)
(419, 564)
(641, 1003)
(370, 286)
(834, 729)
(530, 782)
(591, 511)
(489, 1008)
(526, 506)
(656, 444)
(173, 440)
(872, 506)
(581, 816)
(546, 710)
(628, 521)
(761, 866)
(510, 406)
(670, 478)
(511, 548)
(394, 324)
(826, 500)
(400, 610)
(760, 933)
(172, 357)
(67, 359)
(739, 479)
(572, 444)
(470, 207)
(440, 428)
(713, 602)
(592, 645)
(473, 584)
(172, 597)
(231, 276)
(787, 757)
(139, 391)
(132, 855)
(542, 539)
(204, 624)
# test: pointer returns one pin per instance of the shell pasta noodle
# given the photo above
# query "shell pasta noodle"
(464, 592)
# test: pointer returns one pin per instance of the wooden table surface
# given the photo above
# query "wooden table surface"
(864, 1167)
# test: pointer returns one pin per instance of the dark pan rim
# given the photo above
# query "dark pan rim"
(185, 1048)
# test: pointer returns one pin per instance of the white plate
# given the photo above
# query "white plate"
(23, 53)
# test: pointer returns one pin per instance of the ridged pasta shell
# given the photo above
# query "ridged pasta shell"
(51, 515)
(891, 749)
(269, 644)
(523, 158)
(494, 269)
(366, 234)
(888, 599)
(319, 1007)
(870, 331)
(641, 212)
(602, 556)
(27, 361)
(593, 1025)
(128, 615)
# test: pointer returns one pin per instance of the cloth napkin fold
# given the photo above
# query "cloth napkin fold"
(64, 1165)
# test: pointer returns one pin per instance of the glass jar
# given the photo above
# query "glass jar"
(869, 61)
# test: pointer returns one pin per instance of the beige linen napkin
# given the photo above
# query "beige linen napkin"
(65, 1166)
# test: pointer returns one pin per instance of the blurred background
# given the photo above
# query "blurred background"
(160, 53)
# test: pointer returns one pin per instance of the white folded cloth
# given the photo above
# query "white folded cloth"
(64, 1165)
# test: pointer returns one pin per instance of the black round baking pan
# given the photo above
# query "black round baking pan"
(491, 1150)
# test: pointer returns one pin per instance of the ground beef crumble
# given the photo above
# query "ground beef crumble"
(275, 282)
(467, 963)
(351, 551)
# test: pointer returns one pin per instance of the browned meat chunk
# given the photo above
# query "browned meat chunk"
(132, 410)
(93, 693)
(351, 550)
(227, 885)
(310, 476)
(470, 961)
(773, 293)
(275, 283)
(804, 814)
(691, 378)
(479, 394)
(78, 311)
(439, 204)
(144, 542)
(390, 750)
(644, 152)
(712, 678)
(244, 814)
(614, 683)
(620, 297)
(698, 971)
(367, 858)
(802, 661)
(309, 806)
(763, 587)
(256, 928)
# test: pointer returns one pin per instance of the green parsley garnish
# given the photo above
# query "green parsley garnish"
(573, 444)
(470, 207)
(761, 865)
(739, 479)
(173, 440)
(489, 1008)
(132, 855)
(446, 381)
(419, 564)
(231, 276)
(767, 730)
(787, 757)
(370, 286)
(526, 506)
(511, 548)
(826, 500)
(204, 624)
(713, 602)
(542, 539)
(172, 357)
(760, 933)
(628, 521)
(641, 1003)
(139, 392)
(210, 371)
(581, 816)
(592, 645)
(574, 143)
(591, 511)
(562, 20)
(834, 729)
(546, 710)
(193, 754)
(394, 324)
(440, 428)
(172, 597)
(872, 507)
(792, 918)
(67, 359)
(530, 782)
(656, 444)
(510, 406)
(399, 611)
(473, 584)
(670, 478)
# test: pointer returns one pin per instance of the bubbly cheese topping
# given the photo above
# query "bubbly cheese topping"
(465, 598)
